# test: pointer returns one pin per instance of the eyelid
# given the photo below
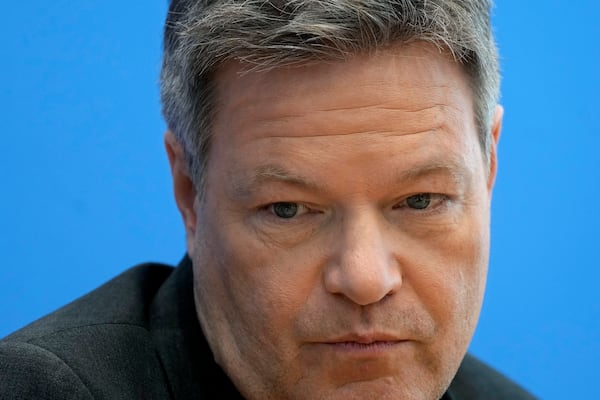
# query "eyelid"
(303, 209)
(437, 200)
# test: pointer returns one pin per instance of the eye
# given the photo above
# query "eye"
(419, 201)
(285, 209)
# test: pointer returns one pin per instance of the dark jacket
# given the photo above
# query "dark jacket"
(137, 337)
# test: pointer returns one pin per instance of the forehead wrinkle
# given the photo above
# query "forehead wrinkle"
(389, 122)
(355, 132)
(380, 106)
(279, 109)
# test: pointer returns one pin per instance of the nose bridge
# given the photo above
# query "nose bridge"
(362, 266)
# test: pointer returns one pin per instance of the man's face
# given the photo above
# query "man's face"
(342, 246)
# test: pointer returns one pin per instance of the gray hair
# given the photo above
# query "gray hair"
(200, 35)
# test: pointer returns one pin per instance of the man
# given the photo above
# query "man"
(333, 163)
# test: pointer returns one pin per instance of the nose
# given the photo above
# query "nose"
(362, 267)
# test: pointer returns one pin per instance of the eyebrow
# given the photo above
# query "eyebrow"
(273, 173)
(453, 168)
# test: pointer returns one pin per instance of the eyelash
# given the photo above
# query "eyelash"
(300, 206)
(439, 203)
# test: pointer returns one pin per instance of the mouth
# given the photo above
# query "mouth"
(373, 345)
(361, 357)
(366, 339)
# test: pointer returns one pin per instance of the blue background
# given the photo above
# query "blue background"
(86, 189)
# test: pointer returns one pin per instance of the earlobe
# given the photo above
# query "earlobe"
(183, 186)
(495, 131)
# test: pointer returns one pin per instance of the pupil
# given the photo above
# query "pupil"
(419, 201)
(285, 210)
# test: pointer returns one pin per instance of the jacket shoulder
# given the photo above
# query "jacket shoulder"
(99, 346)
(477, 380)
(123, 299)
(31, 372)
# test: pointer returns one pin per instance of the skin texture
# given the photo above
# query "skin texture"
(361, 293)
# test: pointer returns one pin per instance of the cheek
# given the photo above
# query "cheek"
(450, 281)
(258, 290)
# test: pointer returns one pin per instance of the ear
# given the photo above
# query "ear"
(496, 128)
(183, 187)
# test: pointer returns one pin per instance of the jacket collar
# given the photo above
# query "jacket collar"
(186, 358)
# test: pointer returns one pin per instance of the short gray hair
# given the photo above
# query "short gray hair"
(200, 35)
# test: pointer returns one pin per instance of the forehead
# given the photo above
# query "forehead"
(412, 100)
(409, 78)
